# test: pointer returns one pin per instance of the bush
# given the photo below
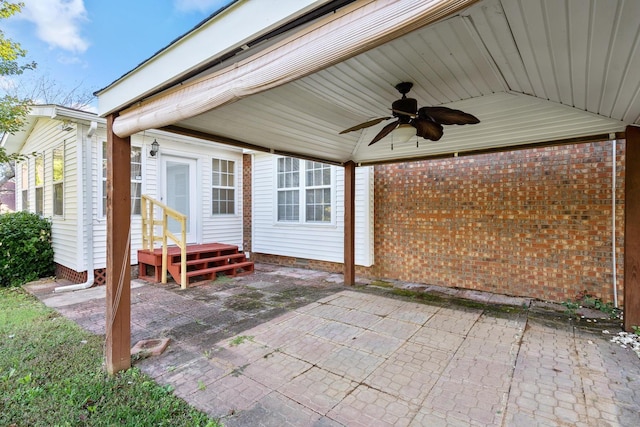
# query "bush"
(26, 253)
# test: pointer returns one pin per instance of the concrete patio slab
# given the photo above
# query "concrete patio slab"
(293, 347)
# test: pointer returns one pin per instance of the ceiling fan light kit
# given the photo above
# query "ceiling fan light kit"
(425, 122)
(403, 133)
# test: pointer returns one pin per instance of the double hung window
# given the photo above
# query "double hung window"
(304, 191)
(223, 192)
(58, 180)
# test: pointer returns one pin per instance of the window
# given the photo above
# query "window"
(223, 193)
(58, 180)
(304, 191)
(39, 184)
(136, 179)
(104, 178)
(24, 184)
(288, 189)
(318, 192)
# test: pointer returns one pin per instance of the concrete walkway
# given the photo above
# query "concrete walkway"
(290, 347)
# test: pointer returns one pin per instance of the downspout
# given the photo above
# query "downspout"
(88, 214)
(613, 221)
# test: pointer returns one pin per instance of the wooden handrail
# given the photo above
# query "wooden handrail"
(149, 237)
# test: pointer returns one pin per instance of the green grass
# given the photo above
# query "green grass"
(51, 374)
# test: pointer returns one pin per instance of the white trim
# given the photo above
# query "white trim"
(221, 34)
(335, 37)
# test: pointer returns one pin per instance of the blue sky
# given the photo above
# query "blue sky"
(92, 43)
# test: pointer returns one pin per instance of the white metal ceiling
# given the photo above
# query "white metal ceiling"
(530, 70)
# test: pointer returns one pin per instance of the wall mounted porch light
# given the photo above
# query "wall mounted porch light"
(154, 148)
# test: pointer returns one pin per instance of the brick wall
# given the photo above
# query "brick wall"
(246, 202)
(530, 223)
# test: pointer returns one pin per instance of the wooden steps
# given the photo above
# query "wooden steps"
(203, 261)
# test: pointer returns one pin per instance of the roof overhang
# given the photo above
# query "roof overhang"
(13, 142)
(531, 71)
(203, 47)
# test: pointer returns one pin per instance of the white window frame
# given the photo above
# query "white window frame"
(218, 179)
(38, 186)
(57, 184)
(318, 189)
(24, 185)
(298, 190)
(135, 180)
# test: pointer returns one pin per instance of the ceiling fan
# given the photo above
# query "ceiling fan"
(427, 121)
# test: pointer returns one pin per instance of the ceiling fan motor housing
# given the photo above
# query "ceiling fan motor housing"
(407, 105)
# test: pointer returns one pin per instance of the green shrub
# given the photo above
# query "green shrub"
(25, 248)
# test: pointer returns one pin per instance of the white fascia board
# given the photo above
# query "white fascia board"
(232, 28)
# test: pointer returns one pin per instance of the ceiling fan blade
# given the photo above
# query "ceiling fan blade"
(385, 131)
(447, 116)
(366, 124)
(427, 129)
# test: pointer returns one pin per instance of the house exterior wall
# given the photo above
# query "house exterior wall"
(211, 228)
(44, 138)
(305, 242)
(80, 235)
(534, 223)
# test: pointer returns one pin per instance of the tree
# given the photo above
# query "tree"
(13, 109)
(42, 89)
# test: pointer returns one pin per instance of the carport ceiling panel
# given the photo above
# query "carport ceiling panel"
(445, 62)
(489, 22)
(581, 53)
(501, 125)
(450, 62)
(282, 119)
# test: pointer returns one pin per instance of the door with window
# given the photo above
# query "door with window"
(179, 192)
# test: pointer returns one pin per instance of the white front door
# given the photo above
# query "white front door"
(179, 192)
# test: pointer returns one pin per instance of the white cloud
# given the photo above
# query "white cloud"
(207, 6)
(58, 22)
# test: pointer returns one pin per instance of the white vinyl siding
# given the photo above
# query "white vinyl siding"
(45, 137)
(312, 240)
(224, 228)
